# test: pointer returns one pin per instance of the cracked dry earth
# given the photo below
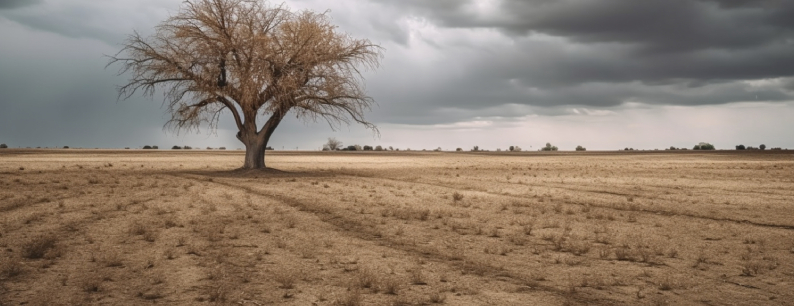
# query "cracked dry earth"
(89, 227)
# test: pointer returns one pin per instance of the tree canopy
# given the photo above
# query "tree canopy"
(254, 60)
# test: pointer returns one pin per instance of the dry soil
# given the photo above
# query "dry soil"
(396, 228)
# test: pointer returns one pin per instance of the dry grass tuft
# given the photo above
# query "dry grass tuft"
(39, 246)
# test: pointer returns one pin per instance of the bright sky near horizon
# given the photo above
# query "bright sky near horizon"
(604, 74)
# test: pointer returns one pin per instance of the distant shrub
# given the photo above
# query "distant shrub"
(125, 148)
(580, 148)
(3, 146)
(512, 148)
(741, 147)
(476, 148)
(209, 148)
(359, 148)
(368, 148)
(269, 148)
(176, 148)
(187, 148)
(378, 148)
(222, 148)
(762, 147)
(459, 149)
(147, 147)
(437, 149)
(65, 147)
(517, 149)
(549, 147)
(350, 148)
(392, 149)
(155, 148)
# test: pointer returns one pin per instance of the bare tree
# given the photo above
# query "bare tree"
(253, 60)
(333, 144)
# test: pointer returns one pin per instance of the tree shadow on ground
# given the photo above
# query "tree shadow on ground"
(261, 173)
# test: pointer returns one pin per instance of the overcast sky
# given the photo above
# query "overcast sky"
(604, 74)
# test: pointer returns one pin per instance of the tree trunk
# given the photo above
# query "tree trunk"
(255, 153)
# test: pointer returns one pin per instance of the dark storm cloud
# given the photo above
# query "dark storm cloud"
(107, 21)
(603, 53)
(651, 25)
(12, 4)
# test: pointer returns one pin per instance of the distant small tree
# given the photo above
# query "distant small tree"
(378, 148)
(762, 147)
(351, 148)
(459, 149)
(476, 148)
(222, 148)
(333, 144)
(176, 148)
(438, 149)
(580, 148)
(188, 148)
(3, 146)
(368, 148)
(391, 149)
(549, 147)
(269, 148)
(147, 147)
(516, 149)
(209, 148)
(155, 148)
(512, 148)
(65, 147)
(741, 147)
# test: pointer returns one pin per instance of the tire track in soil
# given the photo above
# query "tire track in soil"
(647, 212)
(360, 230)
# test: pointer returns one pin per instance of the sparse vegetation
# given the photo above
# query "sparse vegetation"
(580, 148)
(3, 146)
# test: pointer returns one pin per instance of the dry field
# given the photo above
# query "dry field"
(179, 228)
